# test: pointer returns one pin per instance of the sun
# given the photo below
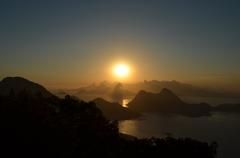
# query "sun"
(121, 70)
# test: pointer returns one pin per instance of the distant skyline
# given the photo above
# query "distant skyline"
(68, 43)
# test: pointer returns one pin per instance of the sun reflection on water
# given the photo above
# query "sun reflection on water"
(125, 102)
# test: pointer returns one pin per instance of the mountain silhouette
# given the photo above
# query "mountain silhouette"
(68, 128)
(105, 89)
(167, 102)
(228, 108)
(17, 85)
(115, 111)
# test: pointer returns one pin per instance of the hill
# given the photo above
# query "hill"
(228, 108)
(115, 111)
(17, 85)
(167, 102)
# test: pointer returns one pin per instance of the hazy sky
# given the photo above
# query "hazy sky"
(69, 42)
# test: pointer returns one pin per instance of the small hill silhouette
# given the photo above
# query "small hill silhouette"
(115, 111)
(230, 108)
(167, 102)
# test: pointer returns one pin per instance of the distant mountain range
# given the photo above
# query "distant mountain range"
(164, 102)
(105, 89)
(181, 89)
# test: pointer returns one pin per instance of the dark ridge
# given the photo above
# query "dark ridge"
(17, 85)
(231, 108)
(167, 102)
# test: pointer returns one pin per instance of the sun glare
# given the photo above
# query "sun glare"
(121, 70)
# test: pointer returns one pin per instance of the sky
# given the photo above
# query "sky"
(67, 43)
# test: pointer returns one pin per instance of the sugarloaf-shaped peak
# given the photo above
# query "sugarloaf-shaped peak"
(167, 102)
(100, 101)
(167, 93)
(147, 101)
(19, 84)
(141, 92)
(169, 97)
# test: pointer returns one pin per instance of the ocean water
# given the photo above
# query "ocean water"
(220, 127)
(223, 128)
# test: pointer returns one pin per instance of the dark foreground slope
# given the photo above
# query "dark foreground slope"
(17, 85)
(51, 127)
